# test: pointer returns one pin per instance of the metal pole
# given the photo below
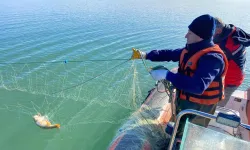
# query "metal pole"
(246, 126)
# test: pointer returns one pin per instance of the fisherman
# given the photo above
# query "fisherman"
(201, 72)
(233, 41)
(43, 122)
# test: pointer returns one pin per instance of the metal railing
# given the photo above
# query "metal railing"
(198, 113)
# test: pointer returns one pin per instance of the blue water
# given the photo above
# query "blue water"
(55, 31)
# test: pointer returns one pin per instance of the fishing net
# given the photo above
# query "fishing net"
(83, 96)
(46, 87)
(145, 128)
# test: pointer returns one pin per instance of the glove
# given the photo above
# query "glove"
(137, 54)
(159, 74)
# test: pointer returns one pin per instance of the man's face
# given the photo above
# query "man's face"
(192, 37)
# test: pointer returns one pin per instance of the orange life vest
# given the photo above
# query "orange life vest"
(215, 92)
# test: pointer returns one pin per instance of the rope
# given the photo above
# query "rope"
(169, 91)
(168, 86)
(145, 65)
(91, 78)
(65, 61)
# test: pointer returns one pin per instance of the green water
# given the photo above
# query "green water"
(89, 113)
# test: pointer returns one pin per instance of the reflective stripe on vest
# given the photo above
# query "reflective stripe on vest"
(215, 91)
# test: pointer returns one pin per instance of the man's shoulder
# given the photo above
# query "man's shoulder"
(213, 58)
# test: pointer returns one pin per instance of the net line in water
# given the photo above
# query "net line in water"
(41, 79)
(115, 87)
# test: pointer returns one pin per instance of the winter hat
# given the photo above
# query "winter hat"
(203, 26)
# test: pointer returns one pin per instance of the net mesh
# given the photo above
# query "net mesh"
(48, 88)
(144, 129)
(69, 94)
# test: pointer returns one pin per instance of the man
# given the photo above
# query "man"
(202, 67)
(43, 122)
(233, 41)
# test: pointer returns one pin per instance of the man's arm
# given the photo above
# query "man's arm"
(164, 55)
(210, 66)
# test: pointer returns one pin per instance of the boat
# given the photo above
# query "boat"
(146, 129)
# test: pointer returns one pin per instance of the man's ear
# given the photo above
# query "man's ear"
(218, 31)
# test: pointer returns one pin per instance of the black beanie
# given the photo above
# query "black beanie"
(203, 26)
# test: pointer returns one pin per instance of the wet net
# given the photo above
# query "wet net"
(84, 97)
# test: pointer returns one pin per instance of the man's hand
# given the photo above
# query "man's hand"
(160, 74)
(137, 54)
